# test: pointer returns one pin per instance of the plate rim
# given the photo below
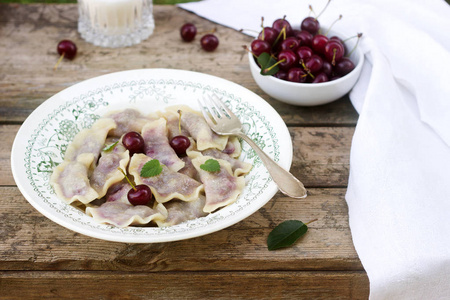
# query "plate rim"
(270, 192)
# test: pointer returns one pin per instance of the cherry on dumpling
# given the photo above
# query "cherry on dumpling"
(133, 142)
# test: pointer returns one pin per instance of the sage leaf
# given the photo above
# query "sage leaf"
(285, 234)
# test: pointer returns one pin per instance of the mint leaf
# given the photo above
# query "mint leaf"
(285, 234)
(266, 61)
(110, 147)
(211, 165)
(151, 168)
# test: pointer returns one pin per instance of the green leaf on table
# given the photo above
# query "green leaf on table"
(110, 147)
(211, 165)
(151, 168)
(285, 234)
(267, 63)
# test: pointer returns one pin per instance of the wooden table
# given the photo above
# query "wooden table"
(40, 259)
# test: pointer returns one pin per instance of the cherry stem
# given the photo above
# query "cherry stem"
(307, 69)
(179, 120)
(126, 177)
(311, 10)
(282, 33)
(332, 24)
(273, 66)
(212, 31)
(359, 35)
(248, 50)
(323, 9)
(251, 30)
(59, 60)
(311, 221)
(333, 61)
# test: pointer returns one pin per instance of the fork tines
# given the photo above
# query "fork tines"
(215, 107)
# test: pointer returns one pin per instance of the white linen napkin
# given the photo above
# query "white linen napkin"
(399, 187)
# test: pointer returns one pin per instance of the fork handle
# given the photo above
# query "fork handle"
(287, 183)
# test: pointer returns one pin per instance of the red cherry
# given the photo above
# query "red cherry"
(344, 67)
(67, 48)
(318, 43)
(296, 75)
(188, 32)
(259, 46)
(281, 74)
(304, 53)
(279, 24)
(268, 34)
(180, 144)
(321, 77)
(139, 195)
(209, 42)
(305, 37)
(134, 142)
(290, 43)
(327, 68)
(287, 59)
(311, 25)
(314, 64)
(334, 51)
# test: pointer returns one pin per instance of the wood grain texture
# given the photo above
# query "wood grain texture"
(182, 285)
(28, 240)
(27, 77)
(40, 259)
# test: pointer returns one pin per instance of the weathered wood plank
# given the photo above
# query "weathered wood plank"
(28, 240)
(232, 263)
(27, 77)
(321, 154)
(184, 285)
(7, 135)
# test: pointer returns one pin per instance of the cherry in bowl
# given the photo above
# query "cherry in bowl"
(320, 87)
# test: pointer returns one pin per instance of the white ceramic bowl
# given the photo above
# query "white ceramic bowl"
(308, 94)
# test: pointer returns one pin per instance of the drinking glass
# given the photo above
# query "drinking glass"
(115, 23)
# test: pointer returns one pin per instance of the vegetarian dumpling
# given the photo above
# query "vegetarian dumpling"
(168, 184)
(129, 120)
(182, 211)
(221, 187)
(106, 172)
(90, 140)
(233, 147)
(118, 211)
(157, 145)
(238, 167)
(70, 180)
(122, 214)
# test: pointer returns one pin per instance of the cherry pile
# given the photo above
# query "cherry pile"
(209, 42)
(302, 55)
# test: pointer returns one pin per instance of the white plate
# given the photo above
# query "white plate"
(43, 137)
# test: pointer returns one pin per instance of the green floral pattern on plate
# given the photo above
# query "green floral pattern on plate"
(47, 145)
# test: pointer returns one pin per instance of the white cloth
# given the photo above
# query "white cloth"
(399, 187)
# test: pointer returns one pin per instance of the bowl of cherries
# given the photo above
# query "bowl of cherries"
(306, 66)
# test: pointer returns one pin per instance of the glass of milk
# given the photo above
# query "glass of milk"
(115, 23)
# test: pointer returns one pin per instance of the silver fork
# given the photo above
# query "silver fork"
(224, 122)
